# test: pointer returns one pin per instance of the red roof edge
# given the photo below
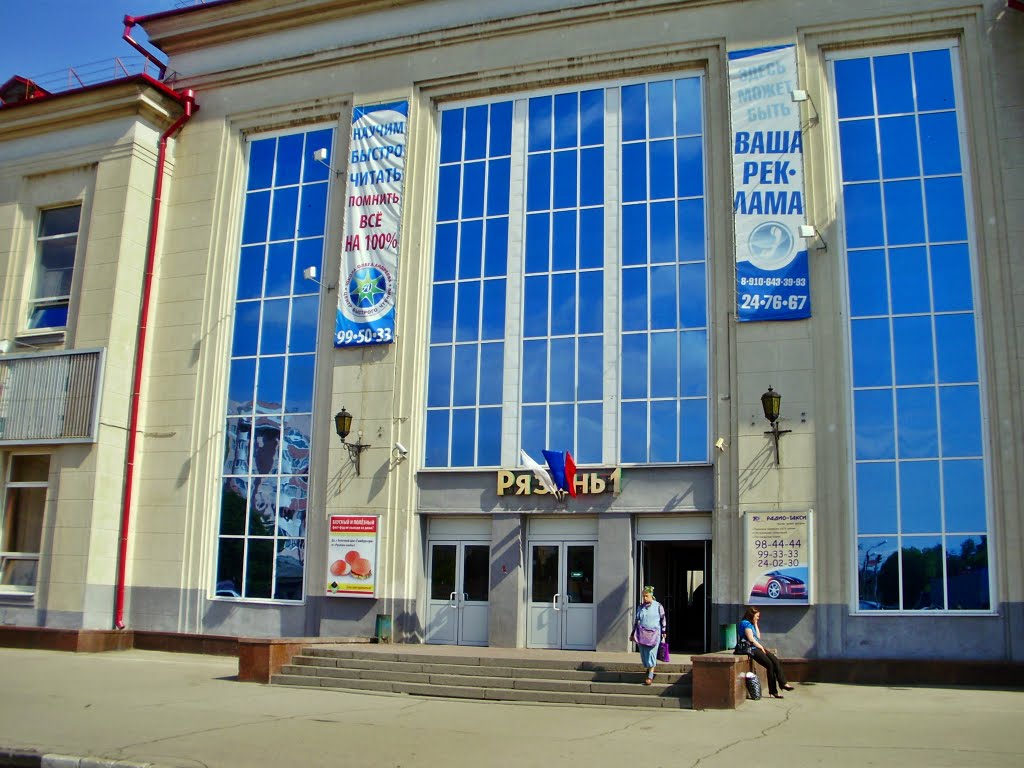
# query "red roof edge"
(140, 78)
(176, 11)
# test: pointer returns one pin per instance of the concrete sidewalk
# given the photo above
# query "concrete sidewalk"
(186, 710)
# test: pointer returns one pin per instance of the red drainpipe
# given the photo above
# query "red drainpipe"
(129, 22)
(188, 98)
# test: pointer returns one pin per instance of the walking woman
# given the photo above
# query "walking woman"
(649, 631)
(750, 631)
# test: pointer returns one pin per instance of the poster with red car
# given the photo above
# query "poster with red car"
(778, 561)
(352, 555)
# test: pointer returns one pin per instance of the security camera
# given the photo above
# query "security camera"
(400, 450)
(309, 273)
(720, 443)
(320, 155)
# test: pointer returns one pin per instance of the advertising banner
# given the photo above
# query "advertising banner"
(373, 214)
(352, 555)
(778, 558)
(772, 281)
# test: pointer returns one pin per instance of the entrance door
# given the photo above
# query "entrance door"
(457, 593)
(679, 571)
(561, 589)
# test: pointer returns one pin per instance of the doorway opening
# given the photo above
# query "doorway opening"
(680, 572)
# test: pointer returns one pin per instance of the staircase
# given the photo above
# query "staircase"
(494, 678)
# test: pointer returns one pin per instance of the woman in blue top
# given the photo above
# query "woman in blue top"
(649, 631)
(749, 630)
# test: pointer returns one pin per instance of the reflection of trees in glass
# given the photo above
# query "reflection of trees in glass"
(966, 571)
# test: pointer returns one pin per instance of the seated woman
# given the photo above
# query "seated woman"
(749, 630)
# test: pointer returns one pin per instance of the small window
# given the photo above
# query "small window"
(22, 522)
(51, 289)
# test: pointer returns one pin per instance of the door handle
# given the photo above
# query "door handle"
(465, 598)
(452, 601)
(554, 602)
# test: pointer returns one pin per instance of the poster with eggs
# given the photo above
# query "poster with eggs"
(352, 556)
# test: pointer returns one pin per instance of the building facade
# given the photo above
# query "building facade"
(546, 258)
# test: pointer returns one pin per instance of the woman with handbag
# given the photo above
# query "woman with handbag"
(750, 642)
(649, 631)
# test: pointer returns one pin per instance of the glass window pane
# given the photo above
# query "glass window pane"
(538, 241)
(233, 498)
(471, 249)
(920, 497)
(56, 264)
(876, 497)
(940, 143)
(501, 128)
(661, 161)
(873, 420)
(912, 345)
(308, 253)
(634, 245)
(280, 258)
(446, 242)
(960, 419)
(592, 176)
(967, 573)
(259, 563)
(690, 166)
(539, 124)
(449, 179)
(916, 423)
(589, 433)
(689, 99)
(543, 573)
(592, 117)
(868, 283)
(250, 272)
(473, 190)
(463, 437)
(894, 90)
(538, 182)
(475, 143)
(963, 483)
(241, 385)
(951, 278)
(853, 88)
(634, 173)
(534, 426)
(878, 574)
(437, 439)
(261, 163)
(591, 238)
(633, 366)
(282, 220)
(693, 431)
(947, 217)
(535, 306)
(299, 393)
(270, 382)
(664, 369)
(662, 235)
(633, 441)
(858, 150)
(872, 361)
(302, 337)
(492, 363)
(439, 377)
(289, 159)
(904, 211)
(313, 213)
(933, 79)
(566, 119)
(498, 187)
(899, 147)
(862, 207)
(442, 313)
(634, 299)
(957, 352)
(591, 369)
(247, 328)
(263, 504)
(922, 573)
(257, 217)
(634, 112)
(535, 371)
(274, 327)
(563, 303)
(563, 370)
(691, 230)
(496, 248)
(311, 169)
(467, 322)
(493, 310)
(908, 269)
(465, 377)
(561, 424)
(693, 363)
(660, 102)
(451, 135)
(563, 241)
(489, 438)
(663, 300)
(289, 568)
(665, 435)
(229, 567)
(591, 303)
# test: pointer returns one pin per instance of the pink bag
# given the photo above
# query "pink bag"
(663, 654)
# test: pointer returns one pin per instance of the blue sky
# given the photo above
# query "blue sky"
(45, 37)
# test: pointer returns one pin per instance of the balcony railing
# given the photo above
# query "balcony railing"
(50, 397)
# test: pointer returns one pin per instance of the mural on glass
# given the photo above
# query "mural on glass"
(268, 429)
(548, 158)
(919, 443)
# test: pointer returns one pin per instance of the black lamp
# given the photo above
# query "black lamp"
(343, 425)
(771, 403)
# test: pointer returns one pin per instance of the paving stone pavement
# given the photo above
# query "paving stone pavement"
(182, 711)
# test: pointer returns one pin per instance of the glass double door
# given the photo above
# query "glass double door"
(458, 593)
(561, 595)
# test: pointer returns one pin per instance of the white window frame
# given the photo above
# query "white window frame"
(6, 554)
(35, 302)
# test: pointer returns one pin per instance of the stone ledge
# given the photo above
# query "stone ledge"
(260, 658)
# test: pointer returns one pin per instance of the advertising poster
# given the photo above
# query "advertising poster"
(352, 556)
(778, 558)
(373, 213)
(772, 279)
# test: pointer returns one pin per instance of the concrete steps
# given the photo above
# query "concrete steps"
(489, 677)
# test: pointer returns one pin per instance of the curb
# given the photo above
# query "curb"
(19, 758)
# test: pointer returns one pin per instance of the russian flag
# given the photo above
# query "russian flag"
(563, 470)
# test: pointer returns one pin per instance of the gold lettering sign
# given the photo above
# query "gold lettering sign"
(523, 483)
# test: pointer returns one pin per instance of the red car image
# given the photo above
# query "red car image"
(776, 584)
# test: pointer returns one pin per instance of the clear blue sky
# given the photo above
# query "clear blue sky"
(42, 38)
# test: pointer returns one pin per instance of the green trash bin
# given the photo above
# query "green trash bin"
(383, 629)
(727, 636)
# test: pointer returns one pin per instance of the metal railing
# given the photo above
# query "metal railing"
(50, 397)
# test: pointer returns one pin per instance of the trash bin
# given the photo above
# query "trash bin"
(383, 629)
(727, 636)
